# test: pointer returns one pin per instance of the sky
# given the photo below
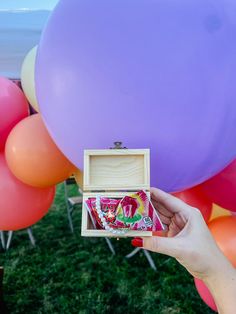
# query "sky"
(6, 5)
(21, 24)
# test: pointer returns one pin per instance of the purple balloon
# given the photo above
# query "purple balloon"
(157, 74)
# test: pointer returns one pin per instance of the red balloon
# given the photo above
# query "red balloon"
(21, 205)
(13, 108)
(221, 189)
(196, 198)
(205, 294)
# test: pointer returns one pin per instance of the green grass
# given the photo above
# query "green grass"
(66, 273)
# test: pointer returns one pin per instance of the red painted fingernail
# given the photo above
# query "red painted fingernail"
(137, 242)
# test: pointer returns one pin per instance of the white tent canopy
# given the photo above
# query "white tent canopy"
(21, 23)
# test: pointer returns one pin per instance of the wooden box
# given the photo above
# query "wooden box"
(114, 173)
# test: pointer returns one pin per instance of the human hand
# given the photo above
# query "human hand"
(186, 238)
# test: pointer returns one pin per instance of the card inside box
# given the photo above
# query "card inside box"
(114, 173)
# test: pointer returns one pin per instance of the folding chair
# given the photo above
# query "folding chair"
(6, 243)
(71, 202)
(2, 239)
(146, 254)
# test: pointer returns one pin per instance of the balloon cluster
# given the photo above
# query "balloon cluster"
(21, 205)
(30, 162)
(157, 74)
(217, 202)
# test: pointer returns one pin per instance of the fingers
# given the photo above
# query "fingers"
(167, 217)
(179, 221)
(173, 229)
(170, 202)
(161, 209)
(163, 245)
(165, 220)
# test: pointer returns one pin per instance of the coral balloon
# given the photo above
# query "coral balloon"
(205, 294)
(13, 108)
(194, 197)
(21, 205)
(156, 74)
(32, 155)
(223, 230)
(221, 188)
(27, 78)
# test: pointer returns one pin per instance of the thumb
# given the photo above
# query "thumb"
(163, 245)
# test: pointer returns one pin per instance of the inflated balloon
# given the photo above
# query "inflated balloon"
(152, 74)
(222, 187)
(194, 197)
(79, 177)
(223, 230)
(218, 211)
(32, 155)
(13, 108)
(21, 205)
(205, 294)
(27, 77)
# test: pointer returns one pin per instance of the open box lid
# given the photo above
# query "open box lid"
(117, 170)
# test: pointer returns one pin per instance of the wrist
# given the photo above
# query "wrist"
(222, 285)
(220, 273)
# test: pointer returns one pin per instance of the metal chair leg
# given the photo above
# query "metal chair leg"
(147, 255)
(150, 260)
(10, 234)
(3, 239)
(69, 209)
(110, 246)
(135, 251)
(69, 212)
(31, 237)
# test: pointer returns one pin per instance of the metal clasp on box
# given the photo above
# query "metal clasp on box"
(118, 145)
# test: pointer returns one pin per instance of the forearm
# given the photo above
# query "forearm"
(222, 285)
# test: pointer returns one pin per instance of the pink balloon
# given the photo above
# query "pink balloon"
(221, 189)
(13, 108)
(205, 294)
(21, 205)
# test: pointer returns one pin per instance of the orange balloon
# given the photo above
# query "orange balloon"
(33, 157)
(223, 230)
(21, 205)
